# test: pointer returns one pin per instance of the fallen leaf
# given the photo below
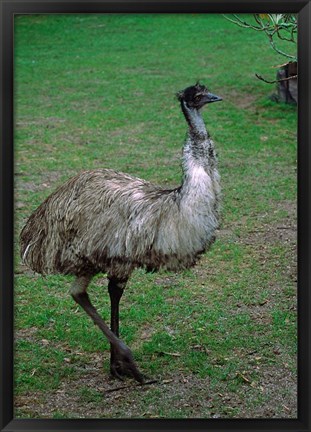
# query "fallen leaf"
(170, 354)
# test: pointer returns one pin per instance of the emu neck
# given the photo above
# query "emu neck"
(198, 152)
(197, 129)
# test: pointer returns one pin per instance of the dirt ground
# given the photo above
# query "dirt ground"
(187, 393)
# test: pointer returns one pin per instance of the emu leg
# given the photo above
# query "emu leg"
(123, 353)
(115, 289)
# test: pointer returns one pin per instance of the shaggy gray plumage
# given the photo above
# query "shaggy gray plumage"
(107, 221)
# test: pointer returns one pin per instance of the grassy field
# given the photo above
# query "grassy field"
(98, 91)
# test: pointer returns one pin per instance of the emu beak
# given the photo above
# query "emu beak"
(210, 97)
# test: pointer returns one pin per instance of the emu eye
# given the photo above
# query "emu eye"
(197, 98)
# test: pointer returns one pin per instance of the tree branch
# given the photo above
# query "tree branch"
(275, 81)
(282, 25)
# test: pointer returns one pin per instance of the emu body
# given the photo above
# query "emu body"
(107, 221)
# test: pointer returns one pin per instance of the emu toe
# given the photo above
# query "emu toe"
(122, 364)
(120, 371)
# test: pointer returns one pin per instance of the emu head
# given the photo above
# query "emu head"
(197, 96)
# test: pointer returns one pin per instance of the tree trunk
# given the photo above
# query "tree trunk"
(287, 90)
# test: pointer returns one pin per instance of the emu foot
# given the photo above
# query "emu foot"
(122, 364)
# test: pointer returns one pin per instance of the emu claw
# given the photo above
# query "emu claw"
(122, 364)
(115, 372)
(120, 372)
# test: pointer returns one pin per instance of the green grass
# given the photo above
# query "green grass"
(98, 91)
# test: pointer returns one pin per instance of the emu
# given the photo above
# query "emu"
(104, 221)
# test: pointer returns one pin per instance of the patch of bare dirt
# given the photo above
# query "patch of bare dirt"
(44, 121)
(26, 334)
(46, 180)
(245, 101)
(284, 230)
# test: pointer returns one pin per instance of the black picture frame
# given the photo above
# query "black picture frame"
(8, 8)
